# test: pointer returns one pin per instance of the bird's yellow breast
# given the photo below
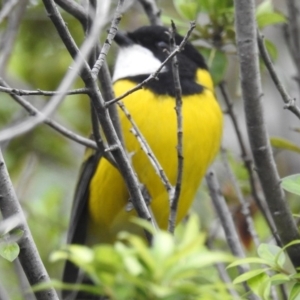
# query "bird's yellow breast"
(156, 118)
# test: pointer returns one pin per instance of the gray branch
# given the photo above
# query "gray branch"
(152, 11)
(29, 256)
(259, 141)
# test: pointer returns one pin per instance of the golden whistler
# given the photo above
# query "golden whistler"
(99, 208)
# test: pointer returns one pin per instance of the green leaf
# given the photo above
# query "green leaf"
(291, 184)
(260, 285)
(284, 144)
(249, 260)
(217, 63)
(248, 275)
(266, 15)
(280, 279)
(271, 253)
(188, 9)
(9, 251)
(295, 292)
(268, 19)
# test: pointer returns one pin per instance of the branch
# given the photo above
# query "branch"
(154, 75)
(146, 148)
(259, 141)
(178, 109)
(119, 153)
(249, 166)
(110, 37)
(38, 92)
(226, 220)
(152, 11)
(245, 206)
(29, 256)
(56, 126)
(8, 36)
(287, 99)
(294, 34)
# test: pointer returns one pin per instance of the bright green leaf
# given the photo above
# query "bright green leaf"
(248, 275)
(295, 292)
(271, 253)
(291, 184)
(9, 251)
(249, 260)
(280, 279)
(284, 144)
(269, 19)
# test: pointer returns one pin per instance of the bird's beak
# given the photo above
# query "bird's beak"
(122, 39)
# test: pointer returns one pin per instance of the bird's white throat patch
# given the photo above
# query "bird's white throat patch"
(135, 60)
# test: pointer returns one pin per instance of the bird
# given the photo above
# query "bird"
(100, 207)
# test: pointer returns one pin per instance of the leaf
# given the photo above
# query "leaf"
(188, 9)
(268, 19)
(291, 184)
(280, 279)
(271, 253)
(295, 292)
(248, 275)
(284, 144)
(9, 251)
(266, 15)
(248, 260)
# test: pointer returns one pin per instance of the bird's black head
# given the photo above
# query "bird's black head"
(142, 52)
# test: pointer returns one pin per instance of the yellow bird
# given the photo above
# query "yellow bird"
(99, 209)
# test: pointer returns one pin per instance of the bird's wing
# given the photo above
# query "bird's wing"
(79, 214)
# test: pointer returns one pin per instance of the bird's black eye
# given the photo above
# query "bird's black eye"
(162, 45)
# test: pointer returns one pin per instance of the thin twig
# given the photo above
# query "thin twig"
(154, 75)
(146, 148)
(9, 35)
(56, 126)
(259, 140)
(294, 34)
(152, 11)
(7, 8)
(178, 109)
(287, 99)
(29, 256)
(249, 166)
(245, 206)
(38, 92)
(109, 39)
(226, 220)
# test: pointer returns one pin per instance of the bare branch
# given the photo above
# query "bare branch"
(226, 220)
(146, 148)
(259, 141)
(110, 37)
(152, 11)
(178, 109)
(287, 99)
(15, 17)
(38, 92)
(34, 112)
(29, 256)
(7, 8)
(294, 33)
(249, 166)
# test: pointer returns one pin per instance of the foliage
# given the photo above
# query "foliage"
(218, 29)
(177, 267)
(274, 269)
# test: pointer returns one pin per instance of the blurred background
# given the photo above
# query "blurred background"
(44, 165)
